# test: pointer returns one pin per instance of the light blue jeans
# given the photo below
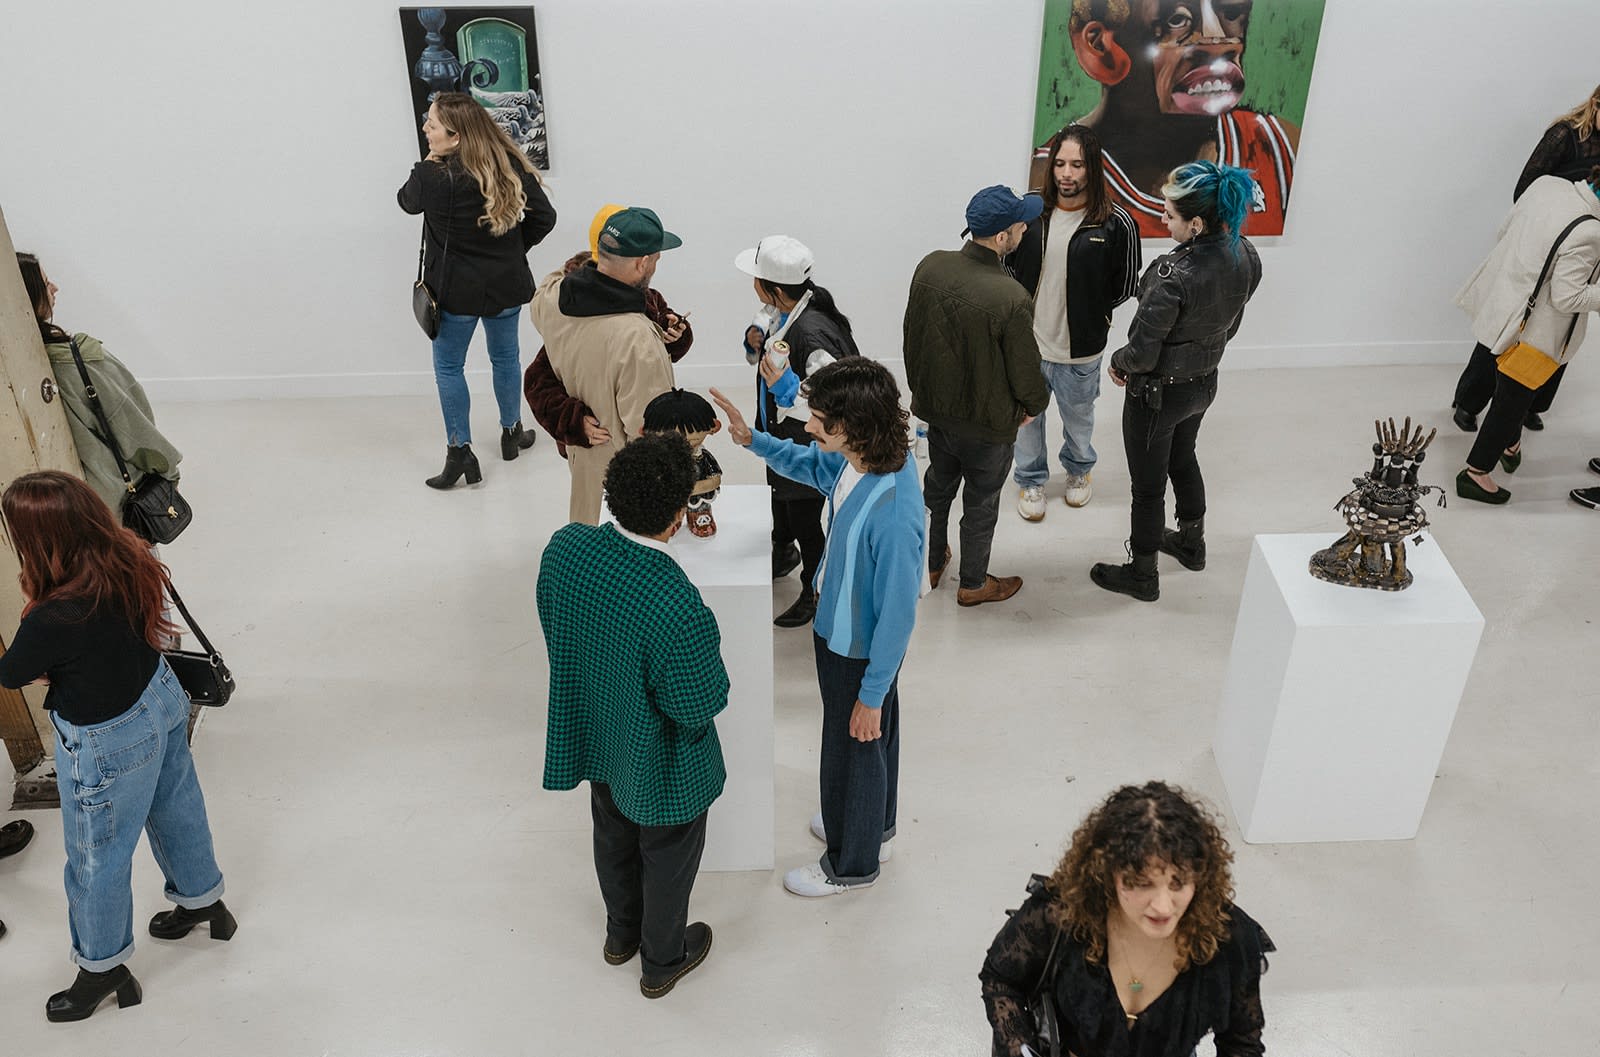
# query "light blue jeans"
(1076, 386)
(117, 778)
(449, 370)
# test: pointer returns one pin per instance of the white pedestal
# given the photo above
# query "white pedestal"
(733, 571)
(1338, 700)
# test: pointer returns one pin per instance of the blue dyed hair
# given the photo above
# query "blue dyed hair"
(1220, 195)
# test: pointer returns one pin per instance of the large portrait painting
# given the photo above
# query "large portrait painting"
(1165, 82)
(490, 52)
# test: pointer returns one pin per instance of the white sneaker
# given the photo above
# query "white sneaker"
(1079, 490)
(1030, 503)
(885, 850)
(812, 882)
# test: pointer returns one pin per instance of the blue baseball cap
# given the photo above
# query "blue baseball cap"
(996, 208)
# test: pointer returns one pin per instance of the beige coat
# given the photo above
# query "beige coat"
(1497, 294)
(614, 363)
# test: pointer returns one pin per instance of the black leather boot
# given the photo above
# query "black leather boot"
(1137, 579)
(177, 923)
(799, 614)
(1187, 543)
(457, 461)
(79, 1001)
(515, 440)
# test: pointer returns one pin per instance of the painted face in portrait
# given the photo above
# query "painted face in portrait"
(1190, 53)
(1153, 902)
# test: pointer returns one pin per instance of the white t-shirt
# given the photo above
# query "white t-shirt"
(1050, 299)
(841, 491)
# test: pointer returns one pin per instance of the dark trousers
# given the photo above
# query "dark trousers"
(646, 874)
(799, 520)
(859, 779)
(1501, 428)
(1160, 447)
(1476, 386)
(982, 466)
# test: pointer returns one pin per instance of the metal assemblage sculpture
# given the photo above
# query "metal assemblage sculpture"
(1383, 510)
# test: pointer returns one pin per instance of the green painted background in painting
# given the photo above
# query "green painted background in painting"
(1279, 51)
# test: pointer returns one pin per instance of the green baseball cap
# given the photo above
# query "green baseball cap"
(636, 232)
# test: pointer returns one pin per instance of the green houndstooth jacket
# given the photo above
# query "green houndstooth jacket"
(636, 676)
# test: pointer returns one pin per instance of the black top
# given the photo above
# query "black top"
(1103, 263)
(98, 664)
(1560, 153)
(1191, 302)
(813, 330)
(1222, 996)
(479, 274)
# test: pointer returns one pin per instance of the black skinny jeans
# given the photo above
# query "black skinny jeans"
(799, 520)
(1502, 426)
(1160, 446)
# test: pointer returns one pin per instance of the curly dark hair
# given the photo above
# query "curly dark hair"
(1136, 826)
(648, 482)
(860, 396)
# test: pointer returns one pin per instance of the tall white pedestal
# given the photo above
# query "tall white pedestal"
(733, 571)
(1338, 700)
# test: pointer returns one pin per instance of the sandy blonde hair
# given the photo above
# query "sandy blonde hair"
(1583, 117)
(489, 155)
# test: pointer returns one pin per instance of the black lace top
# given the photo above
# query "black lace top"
(1222, 996)
(1560, 153)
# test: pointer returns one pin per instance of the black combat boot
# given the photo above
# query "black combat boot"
(1138, 578)
(1187, 543)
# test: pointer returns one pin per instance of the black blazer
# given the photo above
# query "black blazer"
(479, 274)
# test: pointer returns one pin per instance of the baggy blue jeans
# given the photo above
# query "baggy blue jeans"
(449, 370)
(1076, 386)
(859, 780)
(117, 778)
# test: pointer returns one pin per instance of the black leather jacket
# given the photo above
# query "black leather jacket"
(1191, 302)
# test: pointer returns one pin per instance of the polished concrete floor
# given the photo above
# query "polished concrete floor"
(404, 887)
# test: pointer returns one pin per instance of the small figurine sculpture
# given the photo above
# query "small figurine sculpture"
(680, 411)
(1381, 512)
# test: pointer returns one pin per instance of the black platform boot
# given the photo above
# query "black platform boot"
(177, 923)
(457, 461)
(79, 1001)
(1187, 543)
(1137, 579)
(515, 439)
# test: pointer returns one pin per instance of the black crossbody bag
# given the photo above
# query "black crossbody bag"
(152, 508)
(203, 674)
(424, 303)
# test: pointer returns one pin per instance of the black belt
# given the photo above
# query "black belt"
(1185, 381)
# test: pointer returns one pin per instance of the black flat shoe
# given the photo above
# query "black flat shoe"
(79, 1001)
(1594, 464)
(1533, 422)
(1467, 488)
(697, 944)
(14, 836)
(619, 957)
(177, 923)
(1465, 421)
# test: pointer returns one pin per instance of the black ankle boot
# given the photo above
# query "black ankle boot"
(514, 440)
(1187, 543)
(457, 461)
(799, 614)
(1137, 579)
(176, 923)
(79, 1001)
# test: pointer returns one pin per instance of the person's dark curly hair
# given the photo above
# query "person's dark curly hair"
(860, 396)
(1137, 826)
(649, 481)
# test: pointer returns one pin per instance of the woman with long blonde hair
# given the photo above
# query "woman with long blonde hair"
(483, 208)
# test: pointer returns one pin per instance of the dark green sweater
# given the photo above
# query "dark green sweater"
(636, 676)
(971, 359)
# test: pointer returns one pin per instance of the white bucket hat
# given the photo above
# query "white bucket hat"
(777, 259)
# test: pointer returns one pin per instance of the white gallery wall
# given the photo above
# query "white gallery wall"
(212, 184)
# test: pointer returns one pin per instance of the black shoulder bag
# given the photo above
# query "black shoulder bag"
(152, 508)
(424, 304)
(204, 676)
(1042, 1000)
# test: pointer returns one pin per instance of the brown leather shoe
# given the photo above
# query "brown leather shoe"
(994, 589)
(935, 575)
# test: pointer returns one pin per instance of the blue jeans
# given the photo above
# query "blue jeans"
(449, 367)
(1076, 386)
(117, 778)
(859, 779)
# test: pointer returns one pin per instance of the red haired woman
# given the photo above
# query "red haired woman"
(93, 628)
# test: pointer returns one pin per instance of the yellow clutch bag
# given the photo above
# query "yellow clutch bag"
(1526, 365)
